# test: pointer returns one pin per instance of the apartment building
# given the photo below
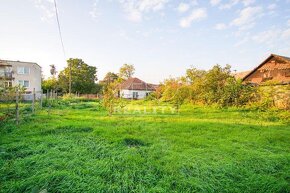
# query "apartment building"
(25, 74)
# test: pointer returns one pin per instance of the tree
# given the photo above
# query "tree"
(175, 91)
(83, 77)
(110, 97)
(109, 77)
(50, 84)
(195, 80)
(214, 83)
(53, 70)
(126, 71)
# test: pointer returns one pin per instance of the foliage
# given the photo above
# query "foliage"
(83, 77)
(270, 95)
(216, 86)
(110, 97)
(175, 92)
(50, 84)
(109, 77)
(126, 71)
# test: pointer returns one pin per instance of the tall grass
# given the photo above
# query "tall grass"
(78, 148)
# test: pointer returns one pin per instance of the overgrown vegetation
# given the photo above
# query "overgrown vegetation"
(78, 148)
(218, 86)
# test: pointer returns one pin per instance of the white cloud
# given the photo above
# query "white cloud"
(46, 7)
(242, 41)
(229, 5)
(220, 26)
(194, 2)
(95, 13)
(248, 2)
(215, 2)
(288, 22)
(232, 3)
(136, 8)
(183, 7)
(196, 15)
(272, 6)
(286, 33)
(267, 37)
(272, 36)
(247, 17)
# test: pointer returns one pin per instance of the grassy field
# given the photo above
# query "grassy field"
(78, 148)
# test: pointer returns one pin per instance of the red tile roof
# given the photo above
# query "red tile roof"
(137, 84)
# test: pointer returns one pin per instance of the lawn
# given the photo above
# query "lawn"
(78, 148)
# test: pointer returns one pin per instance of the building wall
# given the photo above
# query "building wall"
(128, 94)
(271, 71)
(34, 75)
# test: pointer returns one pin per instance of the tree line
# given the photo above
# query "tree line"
(83, 78)
(216, 86)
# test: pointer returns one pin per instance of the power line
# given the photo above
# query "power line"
(61, 40)
(59, 30)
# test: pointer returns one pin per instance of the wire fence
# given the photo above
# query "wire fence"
(18, 106)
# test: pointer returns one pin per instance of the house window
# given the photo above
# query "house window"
(23, 70)
(8, 84)
(135, 95)
(24, 83)
(2, 71)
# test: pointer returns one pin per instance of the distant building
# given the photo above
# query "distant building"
(26, 74)
(275, 68)
(134, 88)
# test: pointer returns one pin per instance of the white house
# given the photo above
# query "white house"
(134, 88)
(25, 74)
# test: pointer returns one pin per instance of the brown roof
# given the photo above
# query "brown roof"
(4, 63)
(136, 84)
(7, 62)
(278, 66)
(241, 75)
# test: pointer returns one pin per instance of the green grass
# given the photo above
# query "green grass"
(78, 148)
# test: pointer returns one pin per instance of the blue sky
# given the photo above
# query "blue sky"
(160, 37)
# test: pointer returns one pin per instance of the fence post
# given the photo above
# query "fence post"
(17, 106)
(33, 101)
(41, 98)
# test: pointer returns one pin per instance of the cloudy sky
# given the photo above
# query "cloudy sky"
(160, 37)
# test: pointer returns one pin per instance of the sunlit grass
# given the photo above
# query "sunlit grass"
(78, 148)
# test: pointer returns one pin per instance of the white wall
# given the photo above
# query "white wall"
(128, 94)
(34, 76)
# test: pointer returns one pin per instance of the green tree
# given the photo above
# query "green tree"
(235, 93)
(109, 77)
(214, 82)
(50, 84)
(110, 98)
(83, 77)
(175, 91)
(195, 80)
(126, 71)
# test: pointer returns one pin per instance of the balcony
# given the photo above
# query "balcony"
(6, 75)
